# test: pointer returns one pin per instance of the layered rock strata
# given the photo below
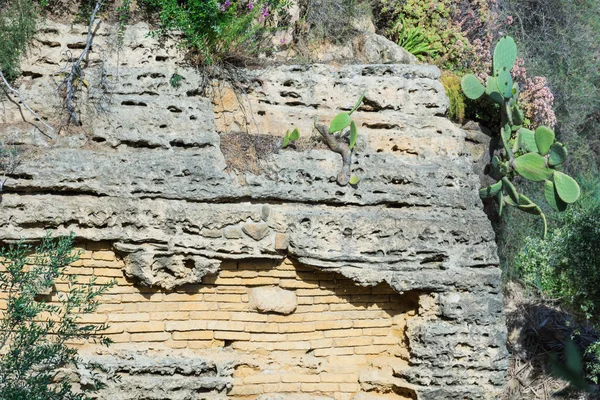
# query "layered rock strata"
(146, 176)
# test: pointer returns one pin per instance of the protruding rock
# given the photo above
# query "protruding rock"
(273, 299)
(256, 231)
(282, 241)
(232, 232)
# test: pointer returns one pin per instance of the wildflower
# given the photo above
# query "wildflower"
(250, 6)
(264, 15)
(225, 5)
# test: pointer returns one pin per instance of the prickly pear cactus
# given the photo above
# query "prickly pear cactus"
(532, 155)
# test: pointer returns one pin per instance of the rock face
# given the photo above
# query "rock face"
(148, 177)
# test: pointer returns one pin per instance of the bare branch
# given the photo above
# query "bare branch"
(76, 69)
(10, 88)
(342, 149)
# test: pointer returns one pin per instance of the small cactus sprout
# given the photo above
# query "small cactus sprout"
(338, 140)
(353, 134)
(532, 155)
(290, 137)
(339, 123)
(295, 135)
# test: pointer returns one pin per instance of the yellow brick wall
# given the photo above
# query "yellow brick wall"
(340, 327)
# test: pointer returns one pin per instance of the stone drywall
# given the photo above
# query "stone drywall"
(406, 258)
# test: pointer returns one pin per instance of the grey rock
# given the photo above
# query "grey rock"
(372, 49)
(233, 232)
(266, 299)
(149, 178)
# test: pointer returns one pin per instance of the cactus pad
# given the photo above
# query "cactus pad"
(472, 87)
(340, 122)
(566, 187)
(553, 198)
(558, 155)
(544, 138)
(353, 134)
(490, 191)
(505, 82)
(532, 166)
(505, 54)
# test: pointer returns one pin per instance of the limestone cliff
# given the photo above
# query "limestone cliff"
(145, 177)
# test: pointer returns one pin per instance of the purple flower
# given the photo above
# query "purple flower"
(264, 15)
(225, 5)
(250, 6)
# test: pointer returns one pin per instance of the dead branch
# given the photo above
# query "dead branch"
(24, 103)
(75, 75)
(342, 149)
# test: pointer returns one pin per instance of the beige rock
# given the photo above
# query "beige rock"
(256, 231)
(267, 299)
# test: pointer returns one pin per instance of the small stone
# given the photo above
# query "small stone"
(232, 232)
(212, 233)
(256, 231)
(282, 241)
(272, 299)
(265, 212)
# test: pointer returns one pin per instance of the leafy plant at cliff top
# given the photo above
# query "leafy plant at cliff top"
(216, 28)
(37, 324)
(534, 156)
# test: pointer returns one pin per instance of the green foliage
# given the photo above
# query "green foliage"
(525, 153)
(17, 26)
(415, 41)
(451, 83)
(34, 333)
(453, 35)
(175, 80)
(214, 28)
(290, 137)
(566, 266)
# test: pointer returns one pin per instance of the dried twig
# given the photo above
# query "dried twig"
(342, 149)
(76, 70)
(13, 90)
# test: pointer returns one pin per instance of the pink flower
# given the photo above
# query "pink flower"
(250, 6)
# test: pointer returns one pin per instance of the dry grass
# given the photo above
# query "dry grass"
(538, 330)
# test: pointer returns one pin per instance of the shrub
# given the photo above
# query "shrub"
(566, 266)
(214, 29)
(451, 83)
(35, 333)
(461, 33)
(17, 26)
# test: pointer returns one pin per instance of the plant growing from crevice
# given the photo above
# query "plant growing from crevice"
(38, 324)
(534, 156)
(340, 137)
(415, 41)
(290, 137)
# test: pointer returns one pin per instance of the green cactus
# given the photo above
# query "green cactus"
(544, 139)
(505, 54)
(532, 155)
(472, 87)
(558, 155)
(290, 137)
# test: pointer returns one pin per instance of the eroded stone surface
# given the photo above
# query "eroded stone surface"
(273, 299)
(149, 178)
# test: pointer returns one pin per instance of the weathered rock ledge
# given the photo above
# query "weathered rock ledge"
(149, 178)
